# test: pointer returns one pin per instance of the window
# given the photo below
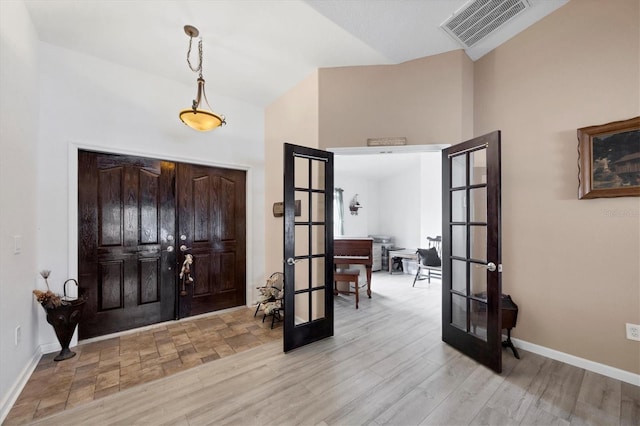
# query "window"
(338, 213)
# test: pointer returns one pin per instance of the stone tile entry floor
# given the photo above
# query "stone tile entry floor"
(104, 367)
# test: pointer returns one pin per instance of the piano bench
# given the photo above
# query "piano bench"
(348, 276)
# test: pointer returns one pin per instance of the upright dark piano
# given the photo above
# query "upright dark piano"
(354, 251)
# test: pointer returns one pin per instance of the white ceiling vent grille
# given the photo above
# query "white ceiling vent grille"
(479, 18)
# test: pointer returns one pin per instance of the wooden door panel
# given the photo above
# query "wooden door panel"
(201, 209)
(110, 206)
(110, 285)
(202, 269)
(131, 208)
(149, 277)
(227, 225)
(149, 207)
(227, 271)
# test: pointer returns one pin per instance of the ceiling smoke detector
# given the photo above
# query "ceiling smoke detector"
(479, 18)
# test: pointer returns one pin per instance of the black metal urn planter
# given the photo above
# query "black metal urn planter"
(63, 313)
(64, 320)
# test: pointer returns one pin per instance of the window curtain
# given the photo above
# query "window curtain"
(338, 212)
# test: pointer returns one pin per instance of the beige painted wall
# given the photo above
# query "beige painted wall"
(293, 118)
(428, 101)
(571, 265)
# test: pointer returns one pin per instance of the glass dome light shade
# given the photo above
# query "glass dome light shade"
(201, 119)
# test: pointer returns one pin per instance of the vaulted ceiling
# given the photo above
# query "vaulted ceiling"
(255, 50)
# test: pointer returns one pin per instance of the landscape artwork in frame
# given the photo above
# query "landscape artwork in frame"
(609, 160)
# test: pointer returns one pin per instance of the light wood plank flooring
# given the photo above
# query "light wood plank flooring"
(386, 364)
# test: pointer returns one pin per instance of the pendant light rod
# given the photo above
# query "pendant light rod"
(196, 101)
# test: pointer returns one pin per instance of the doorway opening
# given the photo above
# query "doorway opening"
(399, 188)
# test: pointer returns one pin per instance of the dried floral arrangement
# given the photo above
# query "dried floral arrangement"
(47, 299)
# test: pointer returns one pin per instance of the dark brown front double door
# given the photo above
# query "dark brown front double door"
(137, 219)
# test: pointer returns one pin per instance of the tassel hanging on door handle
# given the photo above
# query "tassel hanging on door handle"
(185, 273)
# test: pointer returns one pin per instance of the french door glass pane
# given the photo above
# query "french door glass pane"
(459, 241)
(317, 302)
(478, 167)
(302, 308)
(478, 319)
(317, 263)
(458, 171)
(301, 178)
(459, 311)
(478, 283)
(478, 208)
(459, 276)
(302, 198)
(302, 240)
(478, 242)
(317, 233)
(458, 206)
(301, 281)
(317, 207)
(317, 174)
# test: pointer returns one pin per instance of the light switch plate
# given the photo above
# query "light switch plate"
(17, 244)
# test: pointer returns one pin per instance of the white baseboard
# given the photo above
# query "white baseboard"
(10, 398)
(47, 348)
(596, 367)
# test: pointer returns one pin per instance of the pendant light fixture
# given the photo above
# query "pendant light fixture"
(196, 117)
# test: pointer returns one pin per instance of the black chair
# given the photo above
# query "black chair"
(274, 308)
(429, 260)
(270, 291)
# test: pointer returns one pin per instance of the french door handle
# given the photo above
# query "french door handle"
(491, 267)
(184, 248)
(291, 261)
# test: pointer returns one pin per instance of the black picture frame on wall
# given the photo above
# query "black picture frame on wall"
(609, 160)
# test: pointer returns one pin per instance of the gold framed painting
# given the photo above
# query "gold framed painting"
(609, 160)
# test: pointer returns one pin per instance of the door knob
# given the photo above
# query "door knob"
(170, 249)
(491, 266)
(184, 248)
(291, 262)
